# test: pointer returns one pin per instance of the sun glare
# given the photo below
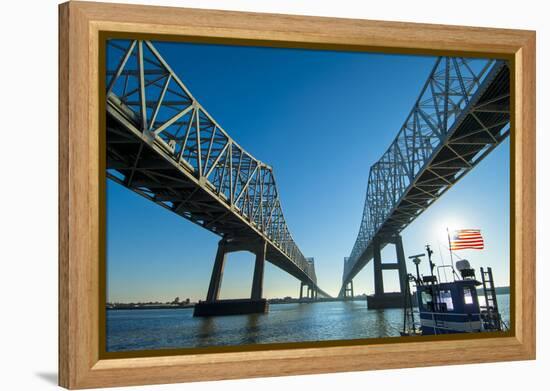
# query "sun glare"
(441, 226)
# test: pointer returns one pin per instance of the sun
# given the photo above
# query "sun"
(440, 227)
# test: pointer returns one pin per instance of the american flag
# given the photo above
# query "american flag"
(462, 239)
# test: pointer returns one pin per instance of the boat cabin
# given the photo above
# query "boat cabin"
(449, 307)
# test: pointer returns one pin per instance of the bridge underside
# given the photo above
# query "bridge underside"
(483, 125)
(147, 169)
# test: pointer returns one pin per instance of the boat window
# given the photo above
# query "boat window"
(446, 298)
(426, 298)
(468, 297)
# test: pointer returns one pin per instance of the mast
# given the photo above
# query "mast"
(450, 250)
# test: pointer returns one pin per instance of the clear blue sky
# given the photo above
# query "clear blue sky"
(320, 118)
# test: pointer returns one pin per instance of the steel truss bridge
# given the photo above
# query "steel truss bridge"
(460, 116)
(163, 145)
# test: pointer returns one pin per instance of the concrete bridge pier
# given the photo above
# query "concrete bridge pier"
(314, 292)
(311, 292)
(382, 299)
(348, 290)
(256, 304)
(258, 279)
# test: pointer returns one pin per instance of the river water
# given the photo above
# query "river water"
(177, 328)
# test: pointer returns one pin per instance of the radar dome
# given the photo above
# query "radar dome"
(463, 264)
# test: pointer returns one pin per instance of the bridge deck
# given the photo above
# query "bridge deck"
(158, 179)
(481, 127)
(163, 145)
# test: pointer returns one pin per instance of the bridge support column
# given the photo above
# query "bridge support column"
(258, 279)
(382, 299)
(213, 306)
(378, 275)
(401, 265)
(312, 292)
(217, 274)
(348, 290)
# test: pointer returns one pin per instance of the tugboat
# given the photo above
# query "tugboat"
(450, 307)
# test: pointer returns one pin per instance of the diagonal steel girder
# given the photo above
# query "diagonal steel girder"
(460, 116)
(163, 145)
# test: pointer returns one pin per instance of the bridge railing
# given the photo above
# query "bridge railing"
(450, 87)
(142, 84)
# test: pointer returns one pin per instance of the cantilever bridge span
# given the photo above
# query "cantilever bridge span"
(163, 145)
(460, 116)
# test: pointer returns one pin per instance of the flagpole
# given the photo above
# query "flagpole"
(450, 251)
(441, 259)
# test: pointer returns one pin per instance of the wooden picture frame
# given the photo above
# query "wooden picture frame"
(81, 24)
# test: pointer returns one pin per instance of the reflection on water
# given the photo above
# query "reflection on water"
(176, 328)
(206, 329)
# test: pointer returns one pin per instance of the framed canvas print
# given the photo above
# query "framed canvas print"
(300, 194)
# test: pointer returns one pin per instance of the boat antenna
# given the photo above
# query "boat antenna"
(416, 261)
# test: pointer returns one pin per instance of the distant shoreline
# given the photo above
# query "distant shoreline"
(501, 290)
(149, 307)
(138, 306)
